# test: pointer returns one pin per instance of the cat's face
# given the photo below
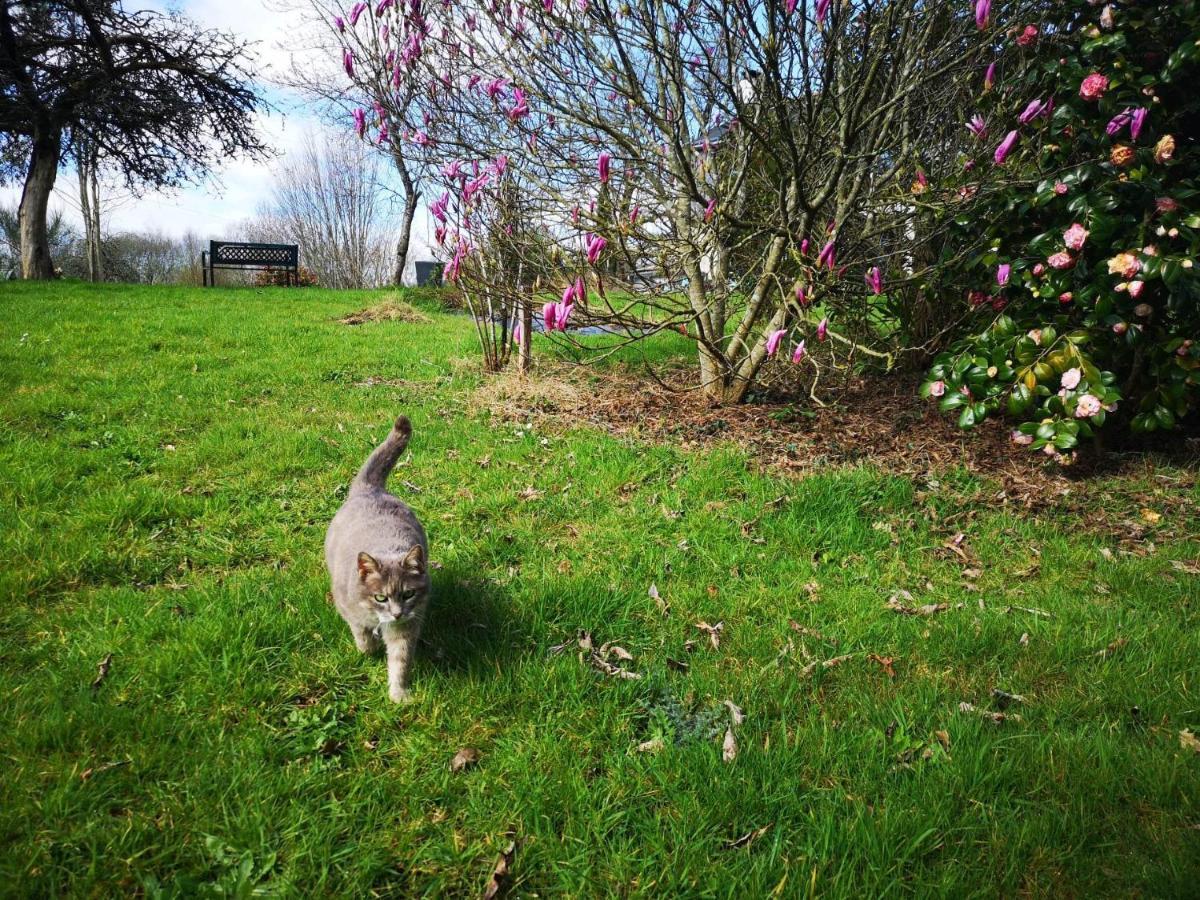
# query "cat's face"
(394, 588)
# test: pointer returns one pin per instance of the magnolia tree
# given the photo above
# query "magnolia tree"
(748, 172)
(1080, 244)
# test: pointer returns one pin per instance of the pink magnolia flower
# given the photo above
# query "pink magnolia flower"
(520, 107)
(1032, 111)
(983, 11)
(1093, 87)
(710, 210)
(1075, 236)
(360, 122)
(602, 165)
(801, 296)
(1118, 122)
(1071, 378)
(1062, 260)
(595, 246)
(827, 255)
(790, 6)
(495, 89)
(1002, 274)
(355, 11)
(773, 341)
(875, 281)
(822, 329)
(1138, 122)
(1087, 406)
(977, 126)
(799, 352)
(1028, 37)
(339, 23)
(1006, 146)
(822, 10)
(937, 389)
(989, 77)
(517, 332)
(348, 63)
(804, 246)
(549, 315)
(633, 214)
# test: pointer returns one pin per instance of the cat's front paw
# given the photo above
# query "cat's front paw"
(400, 694)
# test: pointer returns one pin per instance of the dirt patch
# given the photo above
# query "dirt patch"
(391, 309)
(877, 422)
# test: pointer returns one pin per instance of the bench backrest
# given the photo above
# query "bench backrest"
(238, 253)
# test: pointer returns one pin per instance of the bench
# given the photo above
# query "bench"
(241, 255)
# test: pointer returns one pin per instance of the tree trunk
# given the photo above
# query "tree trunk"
(36, 263)
(410, 212)
(525, 347)
(89, 205)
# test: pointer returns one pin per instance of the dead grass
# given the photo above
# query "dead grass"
(390, 309)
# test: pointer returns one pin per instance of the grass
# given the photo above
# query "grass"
(171, 457)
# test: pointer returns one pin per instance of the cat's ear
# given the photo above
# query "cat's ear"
(414, 562)
(367, 566)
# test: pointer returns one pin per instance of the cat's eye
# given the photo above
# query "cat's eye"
(408, 595)
(380, 598)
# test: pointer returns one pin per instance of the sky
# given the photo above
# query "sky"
(218, 207)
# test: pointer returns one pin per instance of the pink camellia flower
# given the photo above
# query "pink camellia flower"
(989, 77)
(1035, 335)
(875, 281)
(1075, 236)
(1087, 406)
(1060, 188)
(1039, 270)
(773, 341)
(1093, 87)
(1135, 289)
(799, 352)
(977, 126)
(602, 165)
(1065, 297)
(822, 329)
(1138, 122)
(1070, 379)
(1164, 205)
(1124, 264)
(1003, 271)
(1022, 439)
(710, 210)
(983, 11)
(1006, 146)
(1028, 37)
(937, 389)
(1120, 328)
(1061, 260)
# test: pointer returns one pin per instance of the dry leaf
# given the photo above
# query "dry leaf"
(564, 567)
(1187, 568)
(997, 718)
(496, 883)
(529, 493)
(619, 652)
(713, 632)
(1004, 699)
(603, 665)
(102, 671)
(1189, 741)
(1151, 517)
(735, 712)
(928, 609)
(585, 640)
(663, 606)
(746, 839)
(729, 747)
(1111, 648)
(371, 743)
(943, 739)
(464, 759)
(885, 662)
(972, 574)
(824, 664)
(1024, 641)
(1029, 609)
(809, 632)
(651, 746)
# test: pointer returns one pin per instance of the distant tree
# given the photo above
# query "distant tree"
(158, 98)
(59, 236)
(327, 198)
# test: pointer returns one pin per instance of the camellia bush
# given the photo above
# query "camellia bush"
(1080, 171)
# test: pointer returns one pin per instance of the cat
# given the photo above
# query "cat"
(377, 556)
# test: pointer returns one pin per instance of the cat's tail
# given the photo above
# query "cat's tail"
(375, 470)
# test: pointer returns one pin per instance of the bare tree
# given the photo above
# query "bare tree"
(329, 200)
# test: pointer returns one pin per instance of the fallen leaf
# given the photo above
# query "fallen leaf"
(1187, 568)
(824, 664)
(1189, 741)
(729, 747)
(1151, 517)
(972, 574)
(564, 567)
(746, 839)
(483, 462)
(90, 772)
(603, 665)
(464, 759)
(651, 746)
(500, 873)
(943, 739)
(885, 662)
(1029, 609)
(1004, 699)
(371, 743)
(614, 650)
(904, 609)
(102, 671)
(735, 712)
(997, 718)
(1024, 641)
(713, 632)
(1112, 648)
(585, 640)
(678, 665)
(663, 606)
(809, 632)
(529, 493)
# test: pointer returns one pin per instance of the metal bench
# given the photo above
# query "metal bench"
(241, 255)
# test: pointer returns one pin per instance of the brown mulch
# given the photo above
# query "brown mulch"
(877, 422)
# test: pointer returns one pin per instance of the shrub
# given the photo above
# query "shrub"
(271, 277)
(1083, 232)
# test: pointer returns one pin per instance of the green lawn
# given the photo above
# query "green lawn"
(169, 459)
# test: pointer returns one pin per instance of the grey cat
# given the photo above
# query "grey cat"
(377, 553)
